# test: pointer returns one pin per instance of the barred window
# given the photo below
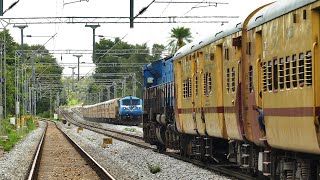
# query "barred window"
(288, 72)
(233, 76)
(301, 69)
(264, 67)
(275, 74)
(189, 87)
(294, 71)
(205, 84)
(196, 86)
(228, 80)
(309, 68)
(250, 79)
(281, 73)
(209, 85)
(270, 75)
(226, 54)
(184, 89)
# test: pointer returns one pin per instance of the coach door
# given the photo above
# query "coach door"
(196, 97)
(231, 87)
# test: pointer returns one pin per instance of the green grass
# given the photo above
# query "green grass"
(154, 168)
(130, 129)
(15, 135)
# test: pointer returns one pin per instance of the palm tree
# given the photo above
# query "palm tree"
(178, 38)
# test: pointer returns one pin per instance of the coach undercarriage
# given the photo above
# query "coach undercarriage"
(261, 162)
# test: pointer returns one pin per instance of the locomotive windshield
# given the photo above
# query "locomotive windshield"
(132, 102)
(135, 102)
(126, 102)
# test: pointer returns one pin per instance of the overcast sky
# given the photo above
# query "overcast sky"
(76, 36)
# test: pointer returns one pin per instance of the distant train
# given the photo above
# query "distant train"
(127, 110)
(247, 94)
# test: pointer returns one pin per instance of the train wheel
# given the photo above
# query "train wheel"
(161, 147)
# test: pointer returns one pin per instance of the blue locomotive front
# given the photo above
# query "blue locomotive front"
(130, 110)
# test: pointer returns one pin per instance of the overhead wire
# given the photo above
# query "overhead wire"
(140, 12)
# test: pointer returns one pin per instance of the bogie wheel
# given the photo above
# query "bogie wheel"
(161, 147)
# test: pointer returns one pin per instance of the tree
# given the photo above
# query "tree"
(156, 50)
(178, 38)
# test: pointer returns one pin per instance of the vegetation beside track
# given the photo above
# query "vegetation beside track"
(12, 135)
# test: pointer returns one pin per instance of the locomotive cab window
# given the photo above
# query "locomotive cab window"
(126, 102)
(135, 102)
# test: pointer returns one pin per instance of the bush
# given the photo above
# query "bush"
(14, 135)
(154, 168)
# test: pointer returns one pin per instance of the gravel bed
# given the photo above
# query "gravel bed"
(15, 164)
(135, 130)
(125, 161)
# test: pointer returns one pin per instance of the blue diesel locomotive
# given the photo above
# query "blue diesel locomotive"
(127, 110)
(158, 103)
(130, 110)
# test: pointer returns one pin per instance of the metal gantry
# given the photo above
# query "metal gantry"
(40, 84)
(5, 21)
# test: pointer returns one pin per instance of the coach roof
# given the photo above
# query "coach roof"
(275, 10)
(197, 44)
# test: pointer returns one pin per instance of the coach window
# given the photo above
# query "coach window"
(288, 72)
(308, 69)
(226, 54)
(184, 89)
(264, 66)
(281, 73)
(294, 70)
(249, 48)
(301, 69)
(196, 85)
(270, 75)
(205, 84)
(250, 79)
(209, 84)
(275, 74)
(233, 76)
(190, 87)
(228, 80)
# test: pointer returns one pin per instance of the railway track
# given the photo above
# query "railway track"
(138, 141)
(58, 157)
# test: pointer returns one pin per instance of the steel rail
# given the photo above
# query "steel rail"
(216, 168)
(101, 172)
(32, 170)
(34, 167)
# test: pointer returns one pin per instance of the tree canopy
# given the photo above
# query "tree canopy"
(179, 36)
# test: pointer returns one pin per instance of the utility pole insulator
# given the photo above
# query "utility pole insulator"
(131, 13)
